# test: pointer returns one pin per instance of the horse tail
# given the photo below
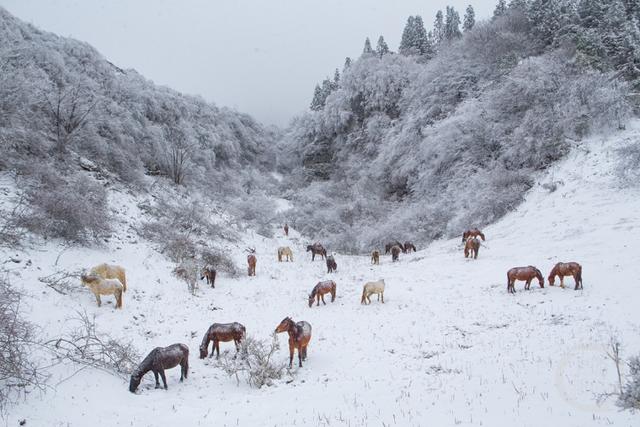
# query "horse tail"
(119, 298)
(123, 280)
(579, 276)
(364, 294)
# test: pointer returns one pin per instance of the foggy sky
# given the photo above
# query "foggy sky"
(262, 57)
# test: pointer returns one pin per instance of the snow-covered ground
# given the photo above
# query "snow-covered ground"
(449, 345)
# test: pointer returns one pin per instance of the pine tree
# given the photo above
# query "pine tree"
(501, 8)
(382, 48)
(317, 102)
(452, 24)
(520, 5)
(469, 18)
(408, 37)
(438, 28)
(415, 40)
(336, 80)
(549, 18)
(367, 48)
(347, 64)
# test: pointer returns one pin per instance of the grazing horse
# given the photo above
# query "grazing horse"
(210, 274)
(388, 246)
(472, 232)
(286, 229)
(408, 247)
(111, 271)
(158, 360)
(371, 288)
(100, 286)
(331, 264)
(563, 269)
(285, 251)
(320, 290)
(224, 332)
(375, 257)
(299, 337)
(472, 247)
(523, 273)
(251, 261)
(317, 249)
(395, 253)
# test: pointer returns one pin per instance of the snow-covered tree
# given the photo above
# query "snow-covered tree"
(368, 50)
(347, 64)
(438, 28)
(500, 9)
(415, 40)
(469, 18)
(317, 103)
(382, 48)
(452, 24)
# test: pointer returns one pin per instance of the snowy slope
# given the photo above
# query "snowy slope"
(448, 347)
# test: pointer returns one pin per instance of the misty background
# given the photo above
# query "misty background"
(261, 58)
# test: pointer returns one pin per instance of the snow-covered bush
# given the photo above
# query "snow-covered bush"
(630, 396)
(629, 165)
(74, 208)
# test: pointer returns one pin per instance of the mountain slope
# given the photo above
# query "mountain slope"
(448, 347)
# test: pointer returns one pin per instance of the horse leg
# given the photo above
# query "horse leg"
(98, 299)
(333, 295)
(562, 282)
(322, 296)
(304, 353)
(300, 356)
(382, 295)
(217, 348)
(291, 348)
(164, 379)
(318, 300)
(155, 374)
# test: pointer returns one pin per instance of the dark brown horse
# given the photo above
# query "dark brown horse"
(563, 269)
(286, 229)
(320, 290)
(317, 249)
(388, 246)
(210, 274)
(472, 247)
(251, 262)
(331, 264)
(375, 257)
(158, 360)
(395, 253)
(472, 232)
(224, 332)
(523, 273)
(408, 247)
(299, 337)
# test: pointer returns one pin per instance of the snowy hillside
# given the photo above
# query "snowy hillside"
(449, 345)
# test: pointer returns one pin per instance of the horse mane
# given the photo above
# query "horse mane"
(205, 339)
(145, 365)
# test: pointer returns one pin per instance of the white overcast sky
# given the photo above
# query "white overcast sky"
(262, 57)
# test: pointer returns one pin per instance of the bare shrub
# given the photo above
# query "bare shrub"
(630, 396)
(629, 165)
(188, 272)
(220, 261)
(72, 208)
(18, 372)
(63, 282)
(254, 362)
(84, 346)
(11, 232)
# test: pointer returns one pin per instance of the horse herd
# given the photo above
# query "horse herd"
(105, 279)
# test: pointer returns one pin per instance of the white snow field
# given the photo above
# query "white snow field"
(449, 346)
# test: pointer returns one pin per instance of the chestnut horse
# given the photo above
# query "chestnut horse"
(158, 360)
(523, 273)
(299, 337)
(375, 257)
(395, 253)
(408, 247)
(388, 246)
(224, 332)
(473, 232)
(210, 274)
(471, 247)
(331, 264)
(317, 249)
(563, 269)
(320, 290)
(251, 261)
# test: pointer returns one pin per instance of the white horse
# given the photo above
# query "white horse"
(100, 286)
(285, 251)
(110, 271)
(371, 288)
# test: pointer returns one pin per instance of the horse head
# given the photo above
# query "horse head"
(204, 351)
(311, 298)
(284, 325)
(134, 382)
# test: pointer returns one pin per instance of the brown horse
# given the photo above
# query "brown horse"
(523, 273)
(286, 230)
(395, 253)
(472, 247)
(299, 337)
(408, 247)
(472, 232)
(158, 360)
(224, 332)
(210, 274)
(251, 261)
(320, 290)
(563, 269)
(331, 264)
(317, 249)
(390, 245)
(375, 257)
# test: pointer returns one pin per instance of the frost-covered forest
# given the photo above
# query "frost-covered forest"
(449, 132)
